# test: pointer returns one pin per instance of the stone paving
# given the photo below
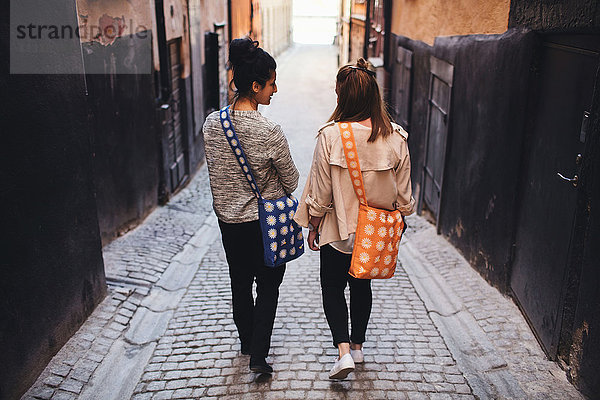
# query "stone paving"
(165, 330)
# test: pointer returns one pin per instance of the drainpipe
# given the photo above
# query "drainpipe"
(367, 30)
(229, 27)
(387, 39)
(349, 33)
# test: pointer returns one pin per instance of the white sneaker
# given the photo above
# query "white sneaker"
(357, 356)
(342, 367)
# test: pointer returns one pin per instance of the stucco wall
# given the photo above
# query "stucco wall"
(240, 18)
(425, 19)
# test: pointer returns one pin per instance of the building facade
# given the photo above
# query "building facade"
(100, 148)
(500, 99)
(276, 25)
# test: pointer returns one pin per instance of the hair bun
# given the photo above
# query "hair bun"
(362, 63)
(242, 51)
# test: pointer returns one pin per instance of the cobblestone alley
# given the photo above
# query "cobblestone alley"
(437, 330)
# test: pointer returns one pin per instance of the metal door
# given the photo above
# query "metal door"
(402, 80)
(440, 91)
(548, 203)
(173, 121)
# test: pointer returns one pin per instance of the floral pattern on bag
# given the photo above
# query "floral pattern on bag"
(382, 228)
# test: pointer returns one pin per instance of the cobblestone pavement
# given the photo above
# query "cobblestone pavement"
(437, 330)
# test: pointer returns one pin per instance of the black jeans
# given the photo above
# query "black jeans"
(244, 251)
(334, 277)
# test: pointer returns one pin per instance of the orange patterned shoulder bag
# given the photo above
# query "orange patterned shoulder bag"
(378, 232)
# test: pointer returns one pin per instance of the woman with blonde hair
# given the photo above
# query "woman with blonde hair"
(329, 205)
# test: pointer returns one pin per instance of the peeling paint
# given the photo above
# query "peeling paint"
(485, 258)
(111, 28)
(459, 228)
(105, 21)
(576, 353)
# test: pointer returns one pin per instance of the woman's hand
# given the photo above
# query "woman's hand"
(313, 234)
(313, 240)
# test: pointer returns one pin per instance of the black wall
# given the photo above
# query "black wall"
(585, 349)
(580, 335)
(487, 127)
(125, 133)
(555, 15)
(131, 171)
(495, 83)
(52, 273)
(489, 98)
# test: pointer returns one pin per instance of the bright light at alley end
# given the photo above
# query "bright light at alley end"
(315, 21)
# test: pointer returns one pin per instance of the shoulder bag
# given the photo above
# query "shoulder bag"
(282, 237)
(378, 232)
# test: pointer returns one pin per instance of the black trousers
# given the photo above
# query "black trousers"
(334, 277)
(253, 319)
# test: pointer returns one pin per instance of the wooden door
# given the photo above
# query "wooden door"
(174, 118)
(440, 91)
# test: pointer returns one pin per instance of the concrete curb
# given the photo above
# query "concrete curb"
(130, 354)
(475, 355)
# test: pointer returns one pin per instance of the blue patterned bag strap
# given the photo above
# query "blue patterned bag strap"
(236, 147)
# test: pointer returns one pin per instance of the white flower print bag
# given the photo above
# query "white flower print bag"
(282, 237)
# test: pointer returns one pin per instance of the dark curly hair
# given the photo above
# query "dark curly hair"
(250, 64)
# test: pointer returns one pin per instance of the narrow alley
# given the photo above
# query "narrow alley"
(165, 330)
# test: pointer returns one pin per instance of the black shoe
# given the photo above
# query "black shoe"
(260, 366)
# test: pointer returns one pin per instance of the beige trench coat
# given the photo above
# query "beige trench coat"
(328, 193)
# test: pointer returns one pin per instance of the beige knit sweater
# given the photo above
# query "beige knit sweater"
(267, 153)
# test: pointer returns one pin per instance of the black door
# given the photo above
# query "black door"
(549, 192)
(211, 71)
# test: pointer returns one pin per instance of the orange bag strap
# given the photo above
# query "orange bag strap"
(351, 153)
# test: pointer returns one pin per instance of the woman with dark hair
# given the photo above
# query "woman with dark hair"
(329, 205)
(234, 202)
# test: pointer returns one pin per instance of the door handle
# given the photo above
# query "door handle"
(574, 180)
(165, 106)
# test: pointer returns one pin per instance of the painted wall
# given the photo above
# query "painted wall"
(52, 267)
(122, 111)
(424, 20)
(240, 18)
